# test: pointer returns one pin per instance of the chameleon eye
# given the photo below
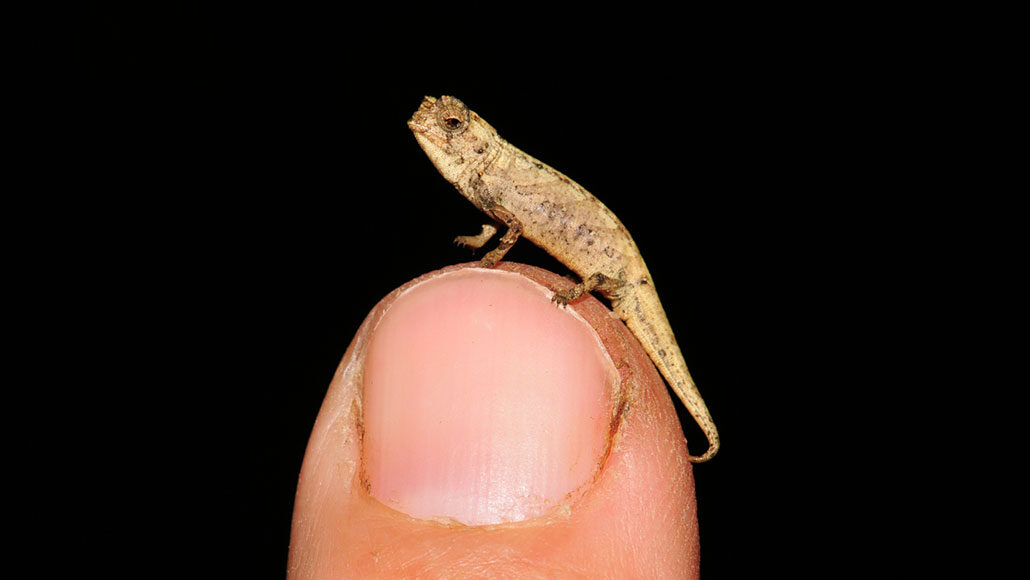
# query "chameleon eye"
(452, 115)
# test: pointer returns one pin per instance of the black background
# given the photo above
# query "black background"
(254, 191)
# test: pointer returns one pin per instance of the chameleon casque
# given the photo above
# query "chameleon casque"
(541, 204)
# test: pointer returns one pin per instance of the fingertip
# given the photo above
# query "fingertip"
(631, 514)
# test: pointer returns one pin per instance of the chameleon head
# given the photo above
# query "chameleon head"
(455, 138)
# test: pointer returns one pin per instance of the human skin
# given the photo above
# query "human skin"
(585, 477)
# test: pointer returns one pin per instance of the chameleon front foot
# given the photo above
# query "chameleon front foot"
(507, 240)
(478, 240)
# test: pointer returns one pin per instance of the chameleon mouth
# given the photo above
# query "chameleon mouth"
(429, 142)
(417, 127)
(417, 122)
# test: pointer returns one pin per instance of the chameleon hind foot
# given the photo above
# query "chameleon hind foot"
(597, 281)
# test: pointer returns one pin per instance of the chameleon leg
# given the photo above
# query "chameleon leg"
(507, 240)
(597, 281)
(477, 241)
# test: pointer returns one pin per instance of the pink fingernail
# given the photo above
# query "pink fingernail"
(483, 402)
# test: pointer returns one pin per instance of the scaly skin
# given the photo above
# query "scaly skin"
(552, 211)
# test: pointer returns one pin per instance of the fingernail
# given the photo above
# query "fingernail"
(483, 402)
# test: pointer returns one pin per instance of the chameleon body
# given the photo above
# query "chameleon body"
(541, 204)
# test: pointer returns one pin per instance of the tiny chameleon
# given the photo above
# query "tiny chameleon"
(541, 204)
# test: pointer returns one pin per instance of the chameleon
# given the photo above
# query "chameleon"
(539, 203)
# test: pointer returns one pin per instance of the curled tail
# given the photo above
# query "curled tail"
(675, 371)
(647, 320)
